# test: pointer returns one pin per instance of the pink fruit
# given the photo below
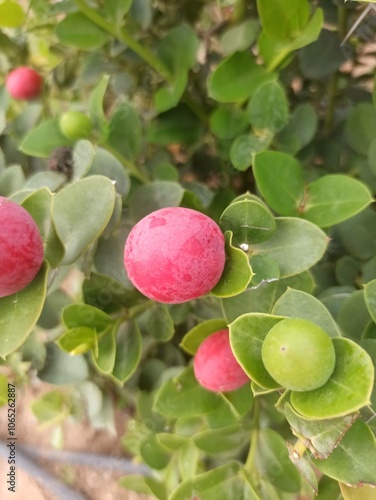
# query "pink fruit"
(174, 255)
(215, 366)
(21, 248)
(24, 83)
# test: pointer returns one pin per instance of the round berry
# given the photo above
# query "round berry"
(298, 354)
(75, 125)
(24, 83)
(215, 365)
(174, 255)
(21, 248)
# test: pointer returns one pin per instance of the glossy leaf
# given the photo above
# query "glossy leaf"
(76, 315)
(247, 334)
(128, 351)
(182, 396)
(268, 108)
(280, 180)
(296, 245)
(250, 222)
(20, 311)
(283, 20)
(228, 84)
(237, 272)
(320, 436)
(81, 212)
(353, 460)
(348, 389)
(43, 139)
(273, 462)
(298, 304)
(192, 339)
(222, 440)
(78, 340)
(334, 198)
(152, 452)
(104, 358)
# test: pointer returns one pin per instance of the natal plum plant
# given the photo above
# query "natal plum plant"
(21, 248)
(174, 255)
(24, 83)
(203, 180)
(216, 367)
(298, 354)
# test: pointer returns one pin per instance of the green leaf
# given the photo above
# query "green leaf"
(76, 30)
(97, 116)
(115, 10)
(266, 270)
(298, 304)
(280, 180)
(168, 96)
(76, 315)
(128, 351)
(125, 132)
(153, 196)
(104, 359)
(246, 146)
(358, 235)
(250, 222)
(304, 467)
(11, 15)
(229, 438)
(359, 127)
(225, 481)
(153, 453)
(262, 297)
(62, 368)
(78, 340)
(178, 49)
(3, 390)
(348, 389)
(247, 334)
(268, 108)
(352, 462)
(296, 245)
(370, 298)
(283, 19)
(104, 163)
(40, 206)
(363, 492)
(182, 396)
(43, 139)
(144, 484)
(189, 458)
(228, 122)
(273, 462)
(334, 198)
(320, 436)
(228, 84)
(353, 315)
(300, 130)
(192, 339)
(83, 157)
(159, 323)
(20, 312)
(81, 212)
(237, 272)
(239, 37)
(12, 179)
(51, 407)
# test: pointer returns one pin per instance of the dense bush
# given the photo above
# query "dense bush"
(260, 115)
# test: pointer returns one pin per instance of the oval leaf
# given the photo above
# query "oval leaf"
(192, 340)
(76, 30)
(348, 389)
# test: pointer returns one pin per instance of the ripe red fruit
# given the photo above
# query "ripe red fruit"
(21, 248)
(215, 365)
(174, 255)
(24, 83)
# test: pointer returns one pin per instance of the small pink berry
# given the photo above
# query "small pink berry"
(24, 83)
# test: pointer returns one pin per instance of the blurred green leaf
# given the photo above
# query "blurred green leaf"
(97, 116)
(228, 84)
(78, 340)
(125, 131)
(283, 19)
(11, 15)
(268, 108)
(76, 30)
(43, 139)
(245, 148)
(359, 127)
(151, 197)
(178, 49)
(239, 37)
(159, 323)
(228, 122)
(144, 484)
(128, 351)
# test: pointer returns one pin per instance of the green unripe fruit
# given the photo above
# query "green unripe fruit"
(298, 354)
(75, 125)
